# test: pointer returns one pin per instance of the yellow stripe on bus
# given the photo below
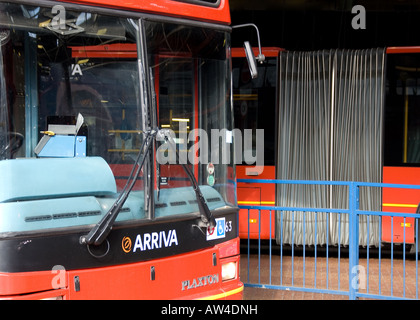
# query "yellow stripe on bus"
(224, 294)
(400, 205)
(256, 202)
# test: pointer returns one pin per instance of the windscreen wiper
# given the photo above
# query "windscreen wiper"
(101, 230)
(207, 218)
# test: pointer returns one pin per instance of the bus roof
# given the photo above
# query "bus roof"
(216, 11)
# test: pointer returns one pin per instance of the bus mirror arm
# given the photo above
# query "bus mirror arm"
(101, 230)
(249, 53)
(207, 218)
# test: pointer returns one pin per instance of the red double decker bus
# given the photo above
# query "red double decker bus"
(97, 99)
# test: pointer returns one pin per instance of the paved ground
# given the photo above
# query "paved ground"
(375, 277)
(268, 294)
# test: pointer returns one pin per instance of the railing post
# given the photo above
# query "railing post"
(353, 240)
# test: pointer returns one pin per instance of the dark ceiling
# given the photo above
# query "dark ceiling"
(322, 24)
(325, 5)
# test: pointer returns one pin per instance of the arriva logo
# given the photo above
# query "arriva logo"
(150, 241)
(126, 244)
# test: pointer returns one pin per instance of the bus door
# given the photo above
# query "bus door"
(255, 103)
(402, 142)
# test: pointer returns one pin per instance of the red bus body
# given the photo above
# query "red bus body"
(399, 200)
(190, 272)
(219, 13)
(134, 281)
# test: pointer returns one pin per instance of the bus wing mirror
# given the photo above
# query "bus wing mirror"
(252, 63)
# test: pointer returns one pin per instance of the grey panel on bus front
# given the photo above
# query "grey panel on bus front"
(33, 178)
(22, 216)
(182, 200)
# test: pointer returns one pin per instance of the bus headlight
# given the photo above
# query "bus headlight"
(53, 298)
(229, 271)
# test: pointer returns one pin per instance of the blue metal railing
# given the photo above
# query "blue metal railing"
(356, 272)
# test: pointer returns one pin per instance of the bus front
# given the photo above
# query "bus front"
(116, 155)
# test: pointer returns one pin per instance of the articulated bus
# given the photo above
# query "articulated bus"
(378, 142)
(100, 101)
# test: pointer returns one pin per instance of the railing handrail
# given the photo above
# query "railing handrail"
(353, 211)
(332, 183)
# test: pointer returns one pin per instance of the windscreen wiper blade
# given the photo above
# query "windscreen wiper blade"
(101, 230)
(206, 216)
